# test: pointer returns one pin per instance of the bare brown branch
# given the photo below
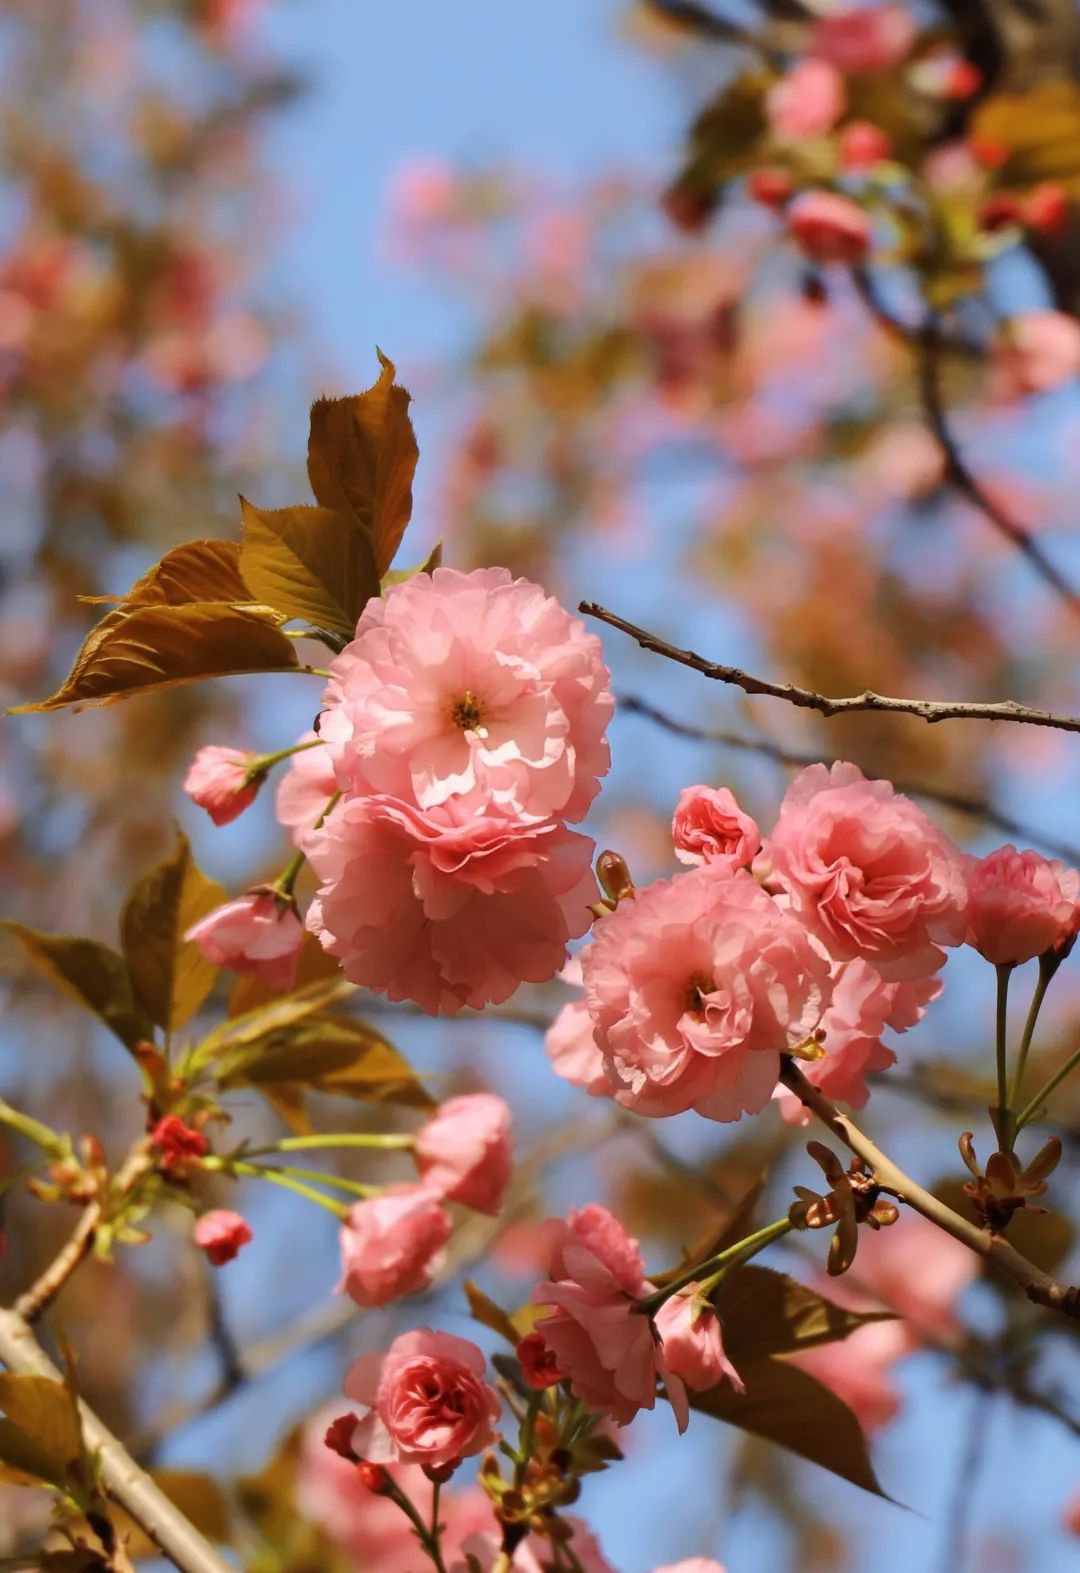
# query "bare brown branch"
(930, 710)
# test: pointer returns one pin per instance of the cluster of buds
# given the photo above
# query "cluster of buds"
(853, 1198)
(1004, 1188)
(70, 1179)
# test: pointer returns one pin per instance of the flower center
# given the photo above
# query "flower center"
(695, 991)
(466, 712)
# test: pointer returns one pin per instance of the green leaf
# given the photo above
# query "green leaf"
(362, 456)
(767, 1313)
(137, 649)
(205, 570)
(276, 1013)
(788, 1406)
(488, 1314)
(331, 1054)
(46, 1411)
(93, 975)
(315, 564)
(170, 976)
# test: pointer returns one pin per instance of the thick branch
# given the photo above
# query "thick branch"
(1037, 1285)
(978, 807)
(124, 1481)
(930, 710)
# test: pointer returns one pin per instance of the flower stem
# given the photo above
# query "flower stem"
(338, 1139)
(235, 1166)
(34, 1131)
(264, 762)
(1003, 1116)
(1032, 1109)
(715, 1265)
(1048, 965)
(428, 1540)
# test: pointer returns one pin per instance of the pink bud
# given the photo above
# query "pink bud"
(829, 228)
(256, 933)
(862, 144)
(217, 780)
(465, 1152)
(221, 1234)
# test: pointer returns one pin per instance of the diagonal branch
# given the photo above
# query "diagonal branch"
(930, 710)
(124, 1481)
(961, 802)
(994, 1248)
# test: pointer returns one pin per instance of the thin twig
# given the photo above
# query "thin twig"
(930, 710)
(960, 802)
(140, 1497)
(994, 1248)
(960, 477)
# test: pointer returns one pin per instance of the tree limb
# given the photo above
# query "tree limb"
(124, 1481)
(994, 1248)
(930, 710)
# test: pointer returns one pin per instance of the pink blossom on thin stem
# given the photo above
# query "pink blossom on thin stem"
(709, 827)
(393, 1244)
(426, 1401)
(693, 1345)
(217, 780)
(465, 1152)
(221, 1234)
(1021, 905)
(258, 933)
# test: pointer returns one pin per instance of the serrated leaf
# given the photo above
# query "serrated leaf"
(484, 1310)
(46, 1411)
(315, 564)
(767, 1313)
(788, 1406)
(207, 570)
(170, 976)
(362, 456)
(90, 973)
(137, 649)
(330, 1054)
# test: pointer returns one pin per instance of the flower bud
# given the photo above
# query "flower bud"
(614, 876)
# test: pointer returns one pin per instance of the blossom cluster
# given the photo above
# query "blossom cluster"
(812, 940)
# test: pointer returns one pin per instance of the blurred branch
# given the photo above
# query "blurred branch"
(929, 710)
(962, 1489)
(705, 23)
(960, 477)
(122, 1478)
(979, 808)
(47, 1286)
(994, 1248)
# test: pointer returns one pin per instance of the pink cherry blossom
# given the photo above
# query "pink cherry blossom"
(829, 228)
(869, 38)
(426, 1401)
(257, 934)
(694, 1349)
(862, 1005)
(392, 1244)
(807, 102)
(593, 1331)
(867, 872)
(534, 1555)
(1022, 904)
(1040, 351)
(466, 1151)
(474, 687)
(446, 907)
(710, 827)
(221, 1234)
(570, 1045)
(306, 788)
(695, 988)
(862, 144)
(217, 780)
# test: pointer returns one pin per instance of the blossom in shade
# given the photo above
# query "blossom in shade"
(807, 102)
(425, 1401)
(538, 1364)
(177, 1142)
(393, 1244)
(867, 872)
(829, 228)
(593, 1330)
(917, 1270)
(218, 781)
(221, 1234)
(473, 687)
(864, 38)
(694, 1347)
(444, 906)
(465, 1152)
(305, 790)
(695, 988)
(258, 933)
(1021, 904)
(709, 827)
(859, 1370)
